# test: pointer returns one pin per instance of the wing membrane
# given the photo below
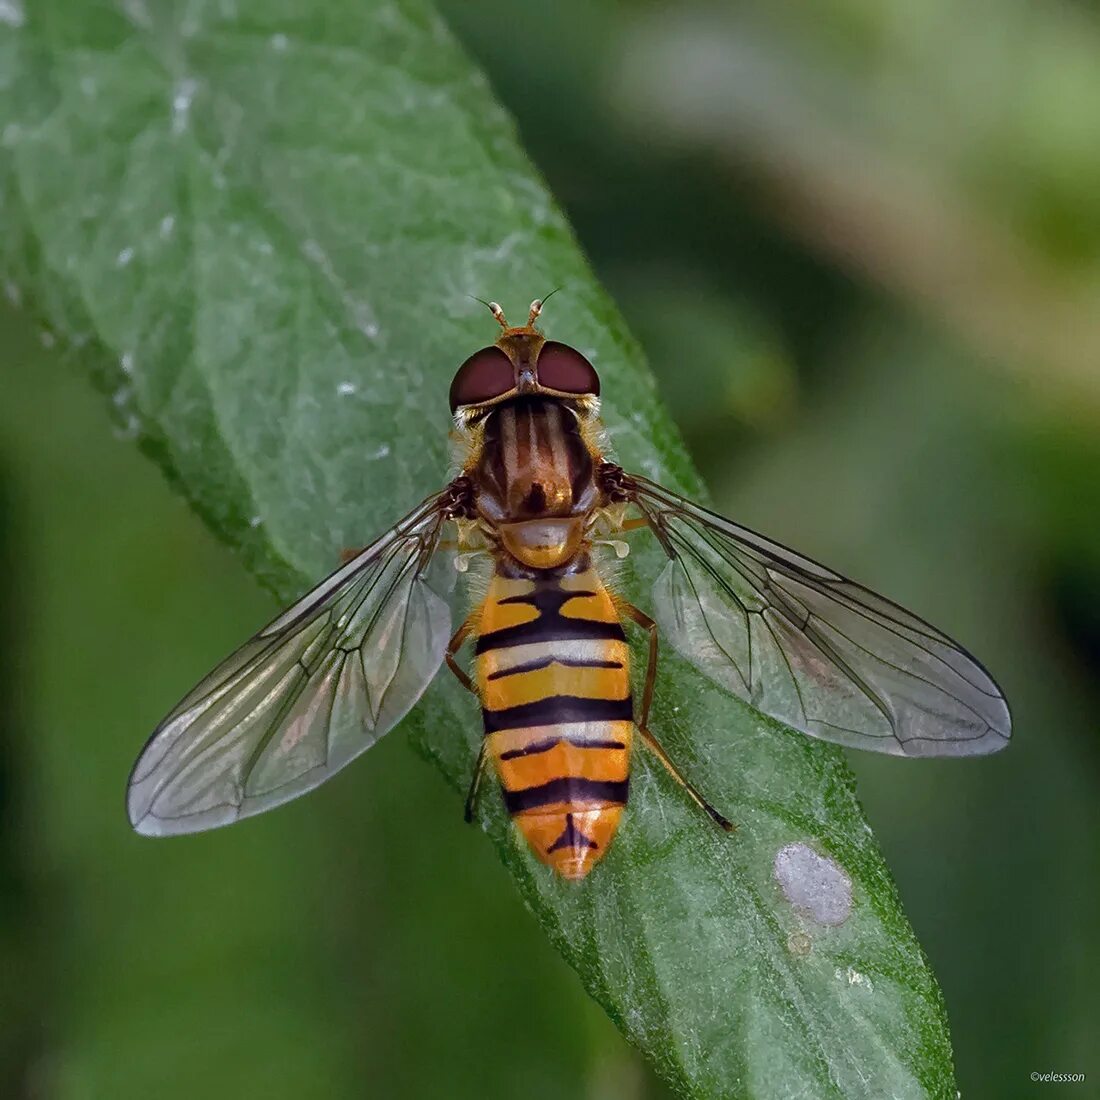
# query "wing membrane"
(311, 691)
(810, 648)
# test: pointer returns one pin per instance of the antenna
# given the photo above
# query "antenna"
(494, 309)
(537, 304)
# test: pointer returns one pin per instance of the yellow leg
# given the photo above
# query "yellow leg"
(646, 623)
(453, 646)
(697, 798)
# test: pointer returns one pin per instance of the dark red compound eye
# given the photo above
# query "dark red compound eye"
(564, 369)
(486, 374)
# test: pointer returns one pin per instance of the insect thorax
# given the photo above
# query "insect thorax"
(535, 478)
(534, 463)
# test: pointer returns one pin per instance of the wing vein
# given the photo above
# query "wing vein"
(284, 713)
(848, 664)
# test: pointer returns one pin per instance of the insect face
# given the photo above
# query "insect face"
(522, 362)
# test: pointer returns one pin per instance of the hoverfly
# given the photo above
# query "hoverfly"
(534, 495)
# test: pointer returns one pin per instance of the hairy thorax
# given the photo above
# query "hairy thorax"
(536, 481)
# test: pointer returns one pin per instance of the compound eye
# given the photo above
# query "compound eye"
(564, 369)
(486, 374)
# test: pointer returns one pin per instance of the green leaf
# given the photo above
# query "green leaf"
(258, 226)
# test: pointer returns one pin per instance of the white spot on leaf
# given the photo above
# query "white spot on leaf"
(124, 257)
(127, 362)
(181, 103)
(813, 884)
(279, 42)
(346, 389)
(854, 977)
(167, 225)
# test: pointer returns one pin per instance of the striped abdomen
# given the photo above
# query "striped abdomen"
(553, 673)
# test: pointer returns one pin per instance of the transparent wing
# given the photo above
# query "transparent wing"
(810, 648)
(311, 691)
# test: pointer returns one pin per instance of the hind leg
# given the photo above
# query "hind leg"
(453, 646)
(646, 623)
(475, 784)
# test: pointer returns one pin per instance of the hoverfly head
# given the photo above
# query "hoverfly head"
(522, 362)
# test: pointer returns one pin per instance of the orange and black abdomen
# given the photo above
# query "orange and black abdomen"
(554, 678)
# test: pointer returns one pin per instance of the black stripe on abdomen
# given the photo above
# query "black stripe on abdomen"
(567, 789)
(538, 747)
(556, 710)
(546, 662)
(556, 628)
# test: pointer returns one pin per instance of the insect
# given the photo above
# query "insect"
(535, 498)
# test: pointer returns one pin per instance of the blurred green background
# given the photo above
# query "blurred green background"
(861, 244)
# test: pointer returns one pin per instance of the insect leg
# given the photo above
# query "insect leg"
(646, 623)
(696, 797)
(454, 645)
(475, 783)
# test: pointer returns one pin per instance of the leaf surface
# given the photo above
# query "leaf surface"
(258, 226)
